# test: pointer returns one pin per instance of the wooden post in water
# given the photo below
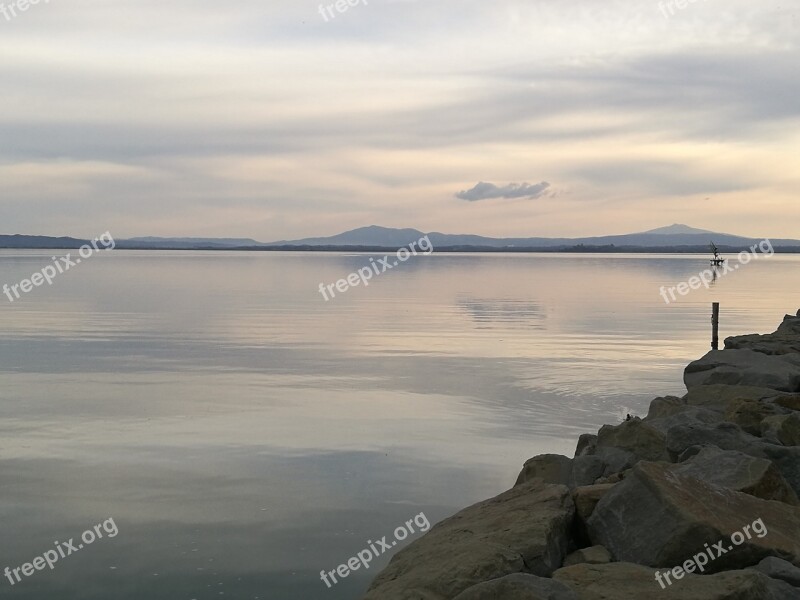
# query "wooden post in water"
(715, 325)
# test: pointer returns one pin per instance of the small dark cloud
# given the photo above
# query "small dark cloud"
(487, 191)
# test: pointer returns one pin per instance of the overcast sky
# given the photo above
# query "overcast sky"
(263, 119)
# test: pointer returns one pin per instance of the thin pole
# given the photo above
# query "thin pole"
(715, 325)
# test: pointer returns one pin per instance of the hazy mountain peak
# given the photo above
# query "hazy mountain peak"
(678, 229)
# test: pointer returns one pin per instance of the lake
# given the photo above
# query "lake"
(245, 434)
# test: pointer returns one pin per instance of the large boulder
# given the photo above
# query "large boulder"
(525, 529)
(587, 497)
(780, 569)
(791, 402)
(690, 415)
(785, 340)
(519, 586)
(740, 472)
(550, 468)
(748, 414)
(636, 437)
(771, 343)
(665, 406)
(745, 367)
(782, 429)
(626, 581)
(660, 518)
(726, 436)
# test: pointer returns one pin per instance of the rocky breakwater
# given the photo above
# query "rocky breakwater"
(696, 501)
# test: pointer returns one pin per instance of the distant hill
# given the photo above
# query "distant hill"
(39, 241)
(674, 236)
(677, 238)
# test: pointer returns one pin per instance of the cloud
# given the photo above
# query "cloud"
(487, 191)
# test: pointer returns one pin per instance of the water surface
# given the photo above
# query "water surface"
(245, 434)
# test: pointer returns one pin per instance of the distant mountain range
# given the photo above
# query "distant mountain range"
(677, 238)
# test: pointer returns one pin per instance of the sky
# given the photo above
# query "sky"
(279, 119)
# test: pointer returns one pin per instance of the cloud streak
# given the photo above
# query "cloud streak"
(490, 191)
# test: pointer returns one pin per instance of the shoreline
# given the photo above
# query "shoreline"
(699, 499)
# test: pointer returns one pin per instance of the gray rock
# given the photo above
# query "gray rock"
(636, 437)
(615, 460)
(659, 518)
(719, 396)
(726, 436)
(626, 581)
(518, 587)
(587, 442)
(525, 529)
(740, 472)
(690, 415)
(665, 406)
(782, 429)
(586, 470)
(788, 402)
(587, 497)
(748, 414)
(771, 343)
(745, 367)
(550, 468)
(778, 568)
(594, 555)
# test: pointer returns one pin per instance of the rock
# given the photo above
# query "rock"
(790, 325)
(594, 555)
(525, 529)
(740, 472)
(719, 397)
(780, 569)
(771, 343)
(553, 468)
(586, 470)
(660, 518)
(748, 414)
(665, 406)
(613, 478)
(518, 587)
(789, 402)
(689, 416)
(615, 459)
(587, 442)
(636, 437)
(787, 459)
(587, 497)
(782, 429)
(626, 581)
(745, 367)
(726, 436)
(550, 468)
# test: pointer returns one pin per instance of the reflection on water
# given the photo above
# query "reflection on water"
(245, 434)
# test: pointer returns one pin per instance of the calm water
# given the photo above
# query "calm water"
(244, 434)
